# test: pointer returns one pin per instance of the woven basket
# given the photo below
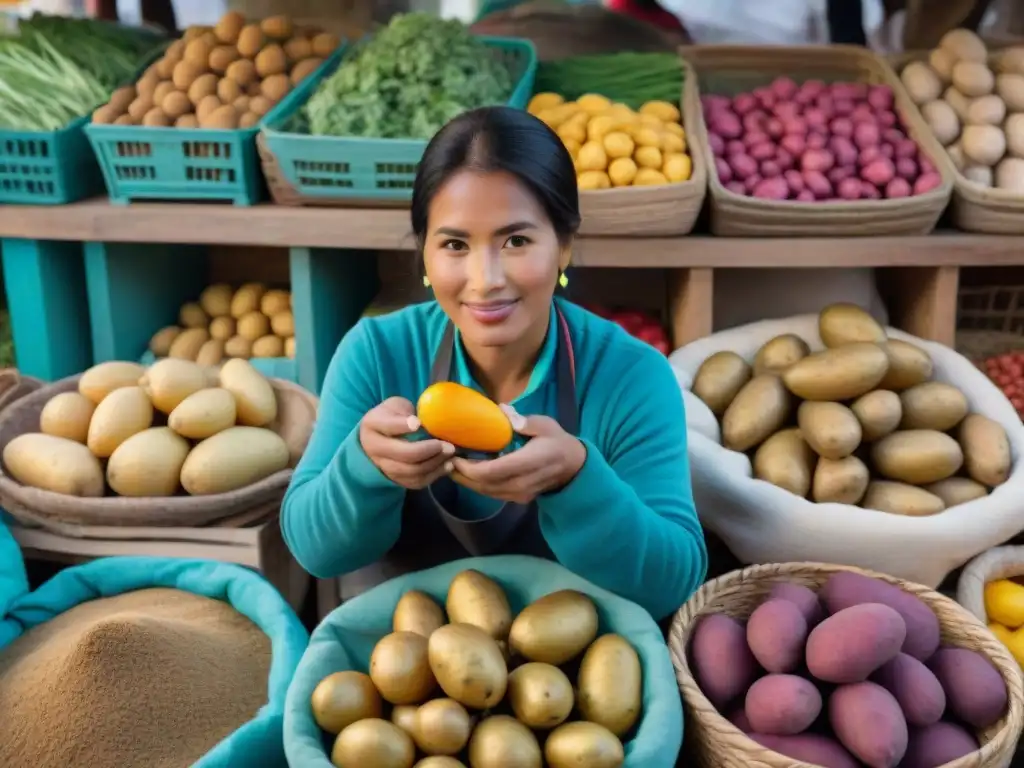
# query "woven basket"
(997, 563)
(717, 742)
(975, 208)
(14, 386)
(38, 508)
(729, 69)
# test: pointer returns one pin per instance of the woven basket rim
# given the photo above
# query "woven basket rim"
(970, 588)
(995, 751)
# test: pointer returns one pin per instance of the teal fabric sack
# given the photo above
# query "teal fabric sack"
(13, 581)
(345, 639)
(258, 743)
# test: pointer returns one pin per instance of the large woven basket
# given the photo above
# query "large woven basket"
(729, 69)
(996, 563)
(716, 742)
(38, 508)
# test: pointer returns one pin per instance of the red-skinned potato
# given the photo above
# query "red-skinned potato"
(722, 662)
(867, 721)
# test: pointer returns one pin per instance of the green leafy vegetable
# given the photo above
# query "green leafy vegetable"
(630, 78)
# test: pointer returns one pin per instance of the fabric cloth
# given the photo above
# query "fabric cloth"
(345, 639)
(258, 743)
(626, 522)
(13, 581)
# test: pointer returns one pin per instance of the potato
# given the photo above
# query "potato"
(851, 644)
(974, 688)
(541, 695)
(168, 382)
(191, 315)
(254, 397)
(908, 365)
(840, 324)
(983, 144)
(238, 347)
(917, 456)
(943, 121)
(831, 429)
(442, 727)
(973, 78)
(938, 744)
(374, 742)
(222, 328)
(203, 414)
(247, 299)
(325, 44)
(809, 748)
(103, 378)
(941, 62)
(578, 744)
(987, 110)
(404, 716)
(229, 27)
(1010, 171)
(253, 325)
(271, 61)
(759, 409)
(986, 450)
(782, 705)
(123, 413)
(268, 346)
(879, 413)
(842, 373)
(901, 499)
(275, 301)
(914, 687)
(250, 40)
(343, 698)
(776, 355)
(283, 324)
(921, 82)
(187, 344)
(960, 103)
(841, 482)
(868, 722)
(53, 464)
(554, 629)
(847, 589)
(468, 665)
(964, 45)
(304, 69)
(233, 459)
(502, 742)
(475, 599)
(957, 490)
(785, 459)
(723, 665)
(417, 612)
(802, 597)
(776, 633)
(609, 684)
(1010, 88)
(932, 405)
(278, 27)
(719, 378)
(148, 463)
(67, 415)
(211, 353)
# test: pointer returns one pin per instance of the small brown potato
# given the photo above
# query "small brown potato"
(779, 353)
(581, 743)
(841, 323)
(957, 490)
(104, 115)
(222, 328)
(943, 120)
(156, 118)
(138, 108)
(983, 144)
(719, 378)
(211, 353)
(161, 90)
(278, 27)
(222, 118)
(228, 90)
(908, 365)
(960, 103)
(974, 688)
(160, 344)
(197, 30)
(192, 315)
(1010, 172)
(554, 629)
(197, 53)
(1010, 88)
(777, 633)
(914, 687)
(973, 78)
(939, 744)
(207, 107)
(851, 644)
(253, 88)
(271, 61)
(221, 58)
(840, 373)
(304, 69)
(253, 325)
(609, 684)
(187, 344)
(468, 665)
(901, 499)
(404, 716)
(723, 665)
(439, 761)
(276, 87)
(259, 105)
(147, 83)
(782, 705)
(268, 346)
(165, 67)
(986, 450)
(123, 413)
(442, 727)
(121, 98)
(216, 299)
(201, 87)
(185, 73)
(785, 459)
(941, 62)
(250, 40)
(840, 482)
(831, 429)
(67, 415)
(229, 27)
(125, 120)
(868, 722)
(298, 48)
(374, 742)
(541, 695)
(289, 347)
(990, 110)
(175, 105)
(964, 45)
(879, 413)
(103, 378)
(343, 698)
(248, 120)
(921, 82)
(238, 346)
(932, 405)
(53, 464)
(241, 105)
(417, 612)
(400, 670)
(242, 72)
(475, 599)
(274, 301)
(917, 456)
(759, 410)
(325, 44)
(503, 742)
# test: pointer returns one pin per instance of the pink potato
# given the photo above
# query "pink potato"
(816, 140)
(927, 166)
(906, 168)
(975, 690)
(848, 189)
(815, 118)
(784, 159)
(794, 125)
(723, 170)
(845, 152)
(754, 121)
(784, 87)
(773, 127)
(782, 705)
(868, 155)
(743, 103)
(735, 147)
(808, 748)
(888, 119)
(723, 665)
(753, 138)
(776, 634)
(869, 191)
(743, 166)
(898, 188)
(841, 126)
(867, 721)
(837, 174)
(880, 97)
(711, 101)
(893, 135)
(796, 185)
(937, 745)
(862, 114)
(787, 110)
(761, 151)
(771, 189)
(804, 598)
(717, 144)
(905, 148)
(751, 182)
(739, 719)
(726, 124)
(888, 151)
(770, 169)
(793, 143)
(805, 196)
(851, 644)
(817, 160)
(879, 172)
(866, 135)
(814, 87)
(843, 107)
(916, 689)
(736, 187)
(926, 182)
(818, 184)
(846, 589)
(765, 96)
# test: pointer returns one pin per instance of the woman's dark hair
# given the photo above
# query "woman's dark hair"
(501, 139)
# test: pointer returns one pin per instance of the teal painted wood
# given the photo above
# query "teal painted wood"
(340, 168)
(48, 167)
(330, 290)
(46, 297)
(272, 367)
(136, 289)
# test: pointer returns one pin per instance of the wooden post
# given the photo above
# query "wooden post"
(922, 300)
(690, 298)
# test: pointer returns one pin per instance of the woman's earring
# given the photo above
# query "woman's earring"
(563, 280)
(426, 281)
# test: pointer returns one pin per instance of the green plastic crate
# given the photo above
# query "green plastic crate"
(48, 167)
(329, 168)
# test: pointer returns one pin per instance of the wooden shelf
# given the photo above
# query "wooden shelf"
(388, 230)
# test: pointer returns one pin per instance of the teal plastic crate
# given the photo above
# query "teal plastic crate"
(48, 167)
(271, 367)
(321, 169)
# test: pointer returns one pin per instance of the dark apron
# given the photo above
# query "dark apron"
(432, 534)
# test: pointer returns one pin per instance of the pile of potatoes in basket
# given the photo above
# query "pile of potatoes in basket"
(252, 321)
(484, 688)
(153, 432)
(871, 428)
(975, 112)
(853, 675)
(228, 76)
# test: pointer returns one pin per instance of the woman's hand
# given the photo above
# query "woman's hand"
(412, 464)
(550, 460)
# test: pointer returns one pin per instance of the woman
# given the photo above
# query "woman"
(602, 482)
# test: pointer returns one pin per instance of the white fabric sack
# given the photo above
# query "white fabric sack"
(762, 523)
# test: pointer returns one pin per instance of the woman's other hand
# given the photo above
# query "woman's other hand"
(548, 462)
(412, 464)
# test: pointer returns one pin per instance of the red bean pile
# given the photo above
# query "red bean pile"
(1007, 371)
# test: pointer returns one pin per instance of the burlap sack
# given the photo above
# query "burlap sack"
(38, 508)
